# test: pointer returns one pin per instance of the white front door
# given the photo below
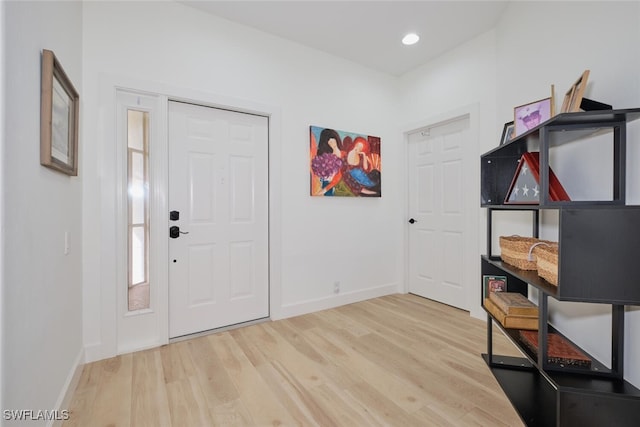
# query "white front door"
(441, 246)
(218, 184)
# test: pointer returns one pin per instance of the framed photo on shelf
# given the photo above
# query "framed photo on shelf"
(507, 132)
(573, 97)
(494, 284)
(59, 110)
(528, 116)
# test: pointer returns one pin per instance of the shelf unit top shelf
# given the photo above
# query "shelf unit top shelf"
(499, 165)
(581, 124)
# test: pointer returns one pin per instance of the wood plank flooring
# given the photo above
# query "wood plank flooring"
(398, 360)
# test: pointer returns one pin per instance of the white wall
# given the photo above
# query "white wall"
(355, 241)
(42, 295)
(463, 76)
(539, 44)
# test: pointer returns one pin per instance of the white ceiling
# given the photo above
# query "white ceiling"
(364, 31)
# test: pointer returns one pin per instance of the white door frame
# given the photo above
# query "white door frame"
(104, 333)
(472, 111)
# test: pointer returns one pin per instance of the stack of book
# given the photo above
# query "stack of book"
(512, 310)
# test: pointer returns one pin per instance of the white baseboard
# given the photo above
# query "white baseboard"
(66, 394)
(324, 303)
(132, 348)
(95, 352)
(478, 313)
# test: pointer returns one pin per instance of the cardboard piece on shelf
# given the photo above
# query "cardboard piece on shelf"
(525, 186)
(559, 350)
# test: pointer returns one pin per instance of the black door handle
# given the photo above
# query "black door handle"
(412, 221)
(174, 232)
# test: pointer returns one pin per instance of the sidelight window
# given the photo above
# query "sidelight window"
(138, 209)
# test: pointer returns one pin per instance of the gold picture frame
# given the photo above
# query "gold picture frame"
(59, 112)
(573, 97)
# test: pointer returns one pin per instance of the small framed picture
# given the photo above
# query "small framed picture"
(528, 116)
(507, 133)
(573, 97)
(59, 107)
(494, 284)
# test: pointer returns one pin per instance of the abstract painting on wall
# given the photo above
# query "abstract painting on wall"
(344, 164)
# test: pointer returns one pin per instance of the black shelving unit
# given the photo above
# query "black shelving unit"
(599, 243)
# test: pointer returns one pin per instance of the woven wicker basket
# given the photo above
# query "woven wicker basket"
(516, 251)
(547, 262)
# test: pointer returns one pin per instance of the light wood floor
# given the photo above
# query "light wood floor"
(398, 360)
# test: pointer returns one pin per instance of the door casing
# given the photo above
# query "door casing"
(472, 111)
(438, 241)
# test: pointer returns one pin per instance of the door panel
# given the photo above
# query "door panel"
(242, 179)
(201, 186)
(242, 281)
(202, 265)
(218, 174)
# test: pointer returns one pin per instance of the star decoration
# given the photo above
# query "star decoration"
(525, 187)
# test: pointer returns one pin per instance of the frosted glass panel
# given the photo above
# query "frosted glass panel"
(137, 193)
(138, 255)
(138, 286)
(136, 123)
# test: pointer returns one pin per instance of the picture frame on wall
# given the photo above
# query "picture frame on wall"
(573, 97)
(59, 114)
(507, 132)
(344, 164)
(528, 116)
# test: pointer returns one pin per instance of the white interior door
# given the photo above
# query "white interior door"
(218, 182)
(440, 187)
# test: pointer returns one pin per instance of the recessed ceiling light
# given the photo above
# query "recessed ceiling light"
(411, 38)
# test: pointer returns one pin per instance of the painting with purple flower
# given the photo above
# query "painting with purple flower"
(344, 164)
